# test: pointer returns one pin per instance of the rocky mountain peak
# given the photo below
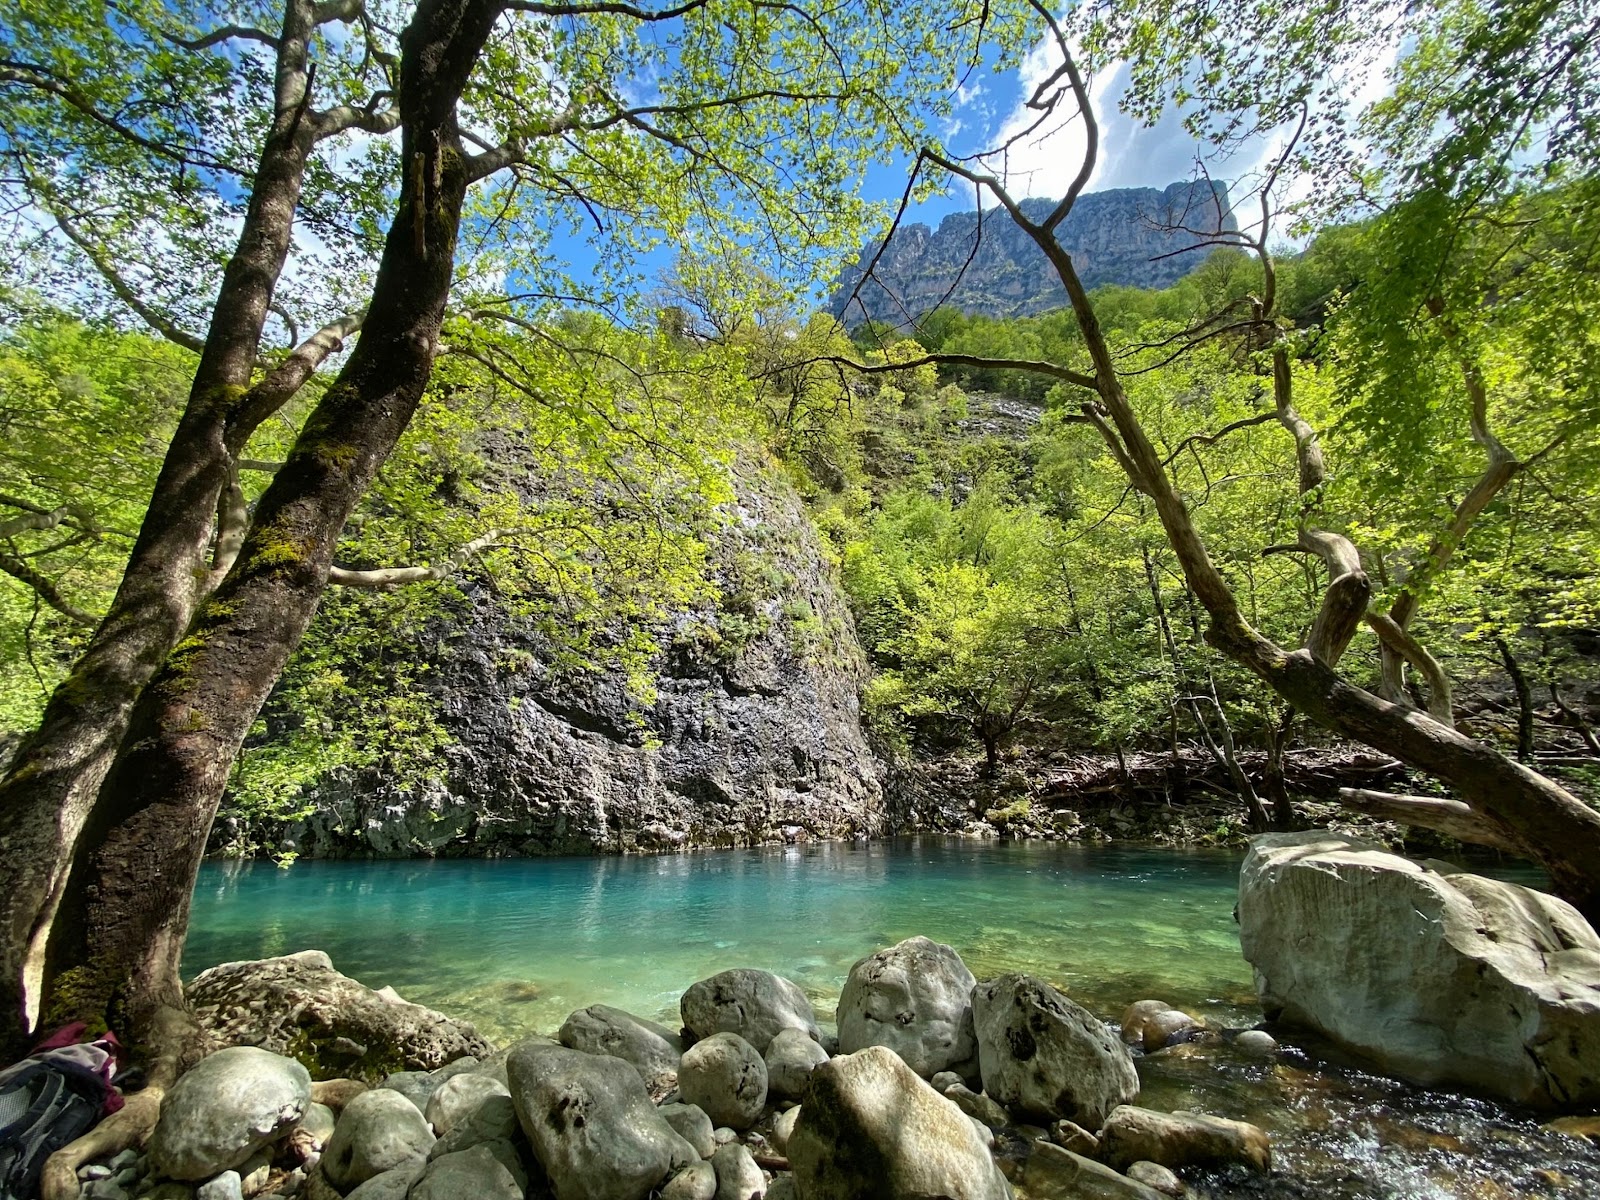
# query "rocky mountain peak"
(1126, 236)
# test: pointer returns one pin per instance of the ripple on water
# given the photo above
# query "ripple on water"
(515, 945)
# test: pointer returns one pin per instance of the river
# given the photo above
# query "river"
(516, 944)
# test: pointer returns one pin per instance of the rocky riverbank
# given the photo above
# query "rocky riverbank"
(929, 1082)
(934, 1085)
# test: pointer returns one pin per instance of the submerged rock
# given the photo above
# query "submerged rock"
(871, 1126)
(226, 1107)
(1049, 1172)
(1156, 1176)
(756, 1005)
(1043, 1056)
(1182, 1139)
(300, 1007)
(592, 1125)
(916, 999)
(726, 1078)
(1439, 978)
(1152, 1024)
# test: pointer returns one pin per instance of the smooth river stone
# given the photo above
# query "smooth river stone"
(226, 1107)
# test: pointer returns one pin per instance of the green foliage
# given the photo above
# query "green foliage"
(84, 417)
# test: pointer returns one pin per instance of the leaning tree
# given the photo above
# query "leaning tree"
(133, 144)
(1244, 71)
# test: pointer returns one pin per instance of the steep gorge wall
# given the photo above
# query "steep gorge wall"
(754, 736)
(1124, 236)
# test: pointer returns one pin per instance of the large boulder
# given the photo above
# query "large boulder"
(756, 1005)
(1437, 976)
(592, 1125)
(916, 999)
(726, 1078)
(378, 1131)
(654, 1050)
(299, 1006)
(871, 1126)
(225, 1108)
(1182, 1139)
(1043, 1056)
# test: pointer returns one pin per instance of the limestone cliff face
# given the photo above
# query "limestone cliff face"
(1120, 236)
(755, 735)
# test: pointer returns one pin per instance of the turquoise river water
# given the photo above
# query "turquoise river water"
(516, 944)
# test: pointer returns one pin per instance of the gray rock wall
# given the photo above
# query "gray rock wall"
(755, 734)
(1114, 237)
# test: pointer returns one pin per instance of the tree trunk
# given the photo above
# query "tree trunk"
(56, 774)
(1272, 778)
(114, 949)
(1519, 684)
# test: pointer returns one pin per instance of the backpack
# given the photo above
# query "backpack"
(44, 1104)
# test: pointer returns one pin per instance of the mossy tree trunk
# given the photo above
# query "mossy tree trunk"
(56, 775)
(114, 948)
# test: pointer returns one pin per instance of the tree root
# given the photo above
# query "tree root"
(130, 1126)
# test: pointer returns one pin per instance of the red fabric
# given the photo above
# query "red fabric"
(71, 1035)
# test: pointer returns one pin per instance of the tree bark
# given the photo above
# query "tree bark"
(57, 772)
(1519, 684)
(113, 953)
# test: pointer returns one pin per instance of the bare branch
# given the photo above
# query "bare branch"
(1344, 602)
(1450, 817)
(287, 378)
(1399, 641)
(121, 288)
(585, 8)
(1209, 439)
(394, 576)
(32, 519)
(216, 37)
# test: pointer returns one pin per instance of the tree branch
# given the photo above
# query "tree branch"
(1449, 817)
(1344, 602)
(122, 289)
(226, 33)
(394, 576)
(1399, 641)
(45, 590)
(287, 378)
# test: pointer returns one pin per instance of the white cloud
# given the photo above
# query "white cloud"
(1043, 157)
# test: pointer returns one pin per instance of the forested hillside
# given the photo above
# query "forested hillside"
(640, 639)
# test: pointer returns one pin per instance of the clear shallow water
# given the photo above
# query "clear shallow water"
(515, 945)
